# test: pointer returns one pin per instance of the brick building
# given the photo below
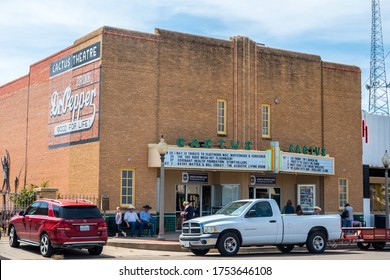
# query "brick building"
(241, 120)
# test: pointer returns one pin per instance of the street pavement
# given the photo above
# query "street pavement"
(171, 243)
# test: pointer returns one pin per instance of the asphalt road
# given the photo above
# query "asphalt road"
(26, 252)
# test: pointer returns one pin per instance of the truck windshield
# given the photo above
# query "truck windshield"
(234, 208)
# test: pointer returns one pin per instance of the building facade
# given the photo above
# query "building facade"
(241, 120)
(375, 141)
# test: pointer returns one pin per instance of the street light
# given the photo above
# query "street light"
(162, 148)
(386, 163)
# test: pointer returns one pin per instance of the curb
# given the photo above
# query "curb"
(158, 246)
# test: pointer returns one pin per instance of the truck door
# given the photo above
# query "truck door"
(260, 224)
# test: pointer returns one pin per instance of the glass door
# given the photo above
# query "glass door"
(265, 192)
(192, 193)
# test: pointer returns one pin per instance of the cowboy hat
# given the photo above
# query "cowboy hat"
(131, 207)
(147, 206)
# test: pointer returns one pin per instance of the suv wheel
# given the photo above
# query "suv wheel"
(95, 251)
(45, 246)
(13, 238)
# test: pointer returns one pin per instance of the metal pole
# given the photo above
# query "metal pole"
(387, 196)
(161, 231)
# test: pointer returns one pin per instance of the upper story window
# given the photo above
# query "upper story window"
(221, 117)
(343, 192)
(266, 121)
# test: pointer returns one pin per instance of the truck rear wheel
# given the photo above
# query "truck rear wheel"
(228, 244)
(285, 248)
(316, 242)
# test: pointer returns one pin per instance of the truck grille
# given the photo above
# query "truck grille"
(191, 229)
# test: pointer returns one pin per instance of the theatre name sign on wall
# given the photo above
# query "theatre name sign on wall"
(74, 98)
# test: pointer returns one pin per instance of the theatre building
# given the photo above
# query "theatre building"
(241, 120)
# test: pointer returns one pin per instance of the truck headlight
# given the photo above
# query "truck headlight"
(209, 229)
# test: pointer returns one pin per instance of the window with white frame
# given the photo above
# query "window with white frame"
(343, 192)
(221, 117)
(266, 121)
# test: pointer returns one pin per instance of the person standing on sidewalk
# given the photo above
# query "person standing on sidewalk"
(288, 208)
(118, 222)
(348, 220)
(188, 212)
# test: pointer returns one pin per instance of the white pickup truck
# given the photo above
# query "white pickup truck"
(257, 222)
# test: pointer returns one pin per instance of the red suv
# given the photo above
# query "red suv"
(55, 224)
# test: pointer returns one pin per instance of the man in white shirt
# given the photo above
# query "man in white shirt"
(132, 221)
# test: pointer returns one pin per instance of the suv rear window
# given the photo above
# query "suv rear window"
(75, 212)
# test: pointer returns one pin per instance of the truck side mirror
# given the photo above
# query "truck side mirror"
(252, 213)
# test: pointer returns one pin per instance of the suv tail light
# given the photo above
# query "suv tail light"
(102, 226)
(62, 226)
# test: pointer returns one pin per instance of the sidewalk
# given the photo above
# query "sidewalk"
(171, 242)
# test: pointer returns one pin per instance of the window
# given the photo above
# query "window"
(265, 121)
(127, 187)
(377, 198)
(43, 209)
(32, 209)
(261, 209)
(221, 117)
(74, 212)
(224, 194)
(343, 192)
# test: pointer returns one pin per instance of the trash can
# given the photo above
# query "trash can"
(105, 202)
(380, 221)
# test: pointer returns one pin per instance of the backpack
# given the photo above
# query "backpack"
(345, 214)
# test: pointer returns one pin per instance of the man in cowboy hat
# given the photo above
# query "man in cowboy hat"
(317, 210)
(132, 221)
(147, 219)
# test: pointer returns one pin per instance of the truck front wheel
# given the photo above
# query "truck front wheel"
(228, 244)
(200, 252)
(316, 242)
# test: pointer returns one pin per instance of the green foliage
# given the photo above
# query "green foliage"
(25, 197)
(44, 184)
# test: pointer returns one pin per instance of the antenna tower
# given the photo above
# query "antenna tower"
(378, 98)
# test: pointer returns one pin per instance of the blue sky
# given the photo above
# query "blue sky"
(337, 30)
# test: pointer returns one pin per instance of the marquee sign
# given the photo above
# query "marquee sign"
(297, 163)
(217, 160)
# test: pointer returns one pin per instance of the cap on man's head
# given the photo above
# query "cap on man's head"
(147, 206)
